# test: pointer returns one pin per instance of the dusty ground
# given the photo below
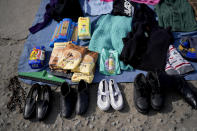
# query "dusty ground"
(15, 18)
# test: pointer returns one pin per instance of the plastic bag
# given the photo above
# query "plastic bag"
(37, 57)
(71, 56)
(109, 63)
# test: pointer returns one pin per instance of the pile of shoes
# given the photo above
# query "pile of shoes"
(39, 100)
(149, 90)
(109, 94)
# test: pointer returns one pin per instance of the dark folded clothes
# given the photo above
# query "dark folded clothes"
(176, 13)
(57, 10)
(146, 46)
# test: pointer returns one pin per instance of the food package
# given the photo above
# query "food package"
(80, 76)
(84, 28)
(88, 63)
(74, 37)
(71, 56)
(65, 30)
(56, 54)
(55, 34)
(37, 57)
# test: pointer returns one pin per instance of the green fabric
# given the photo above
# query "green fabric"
(108, 34)
(176, 13)
(109, 63)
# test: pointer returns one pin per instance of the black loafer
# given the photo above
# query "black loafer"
(82, 98)
(30, 102)
(156, 95)
(68, 99)
(141, 94)
(43, 102)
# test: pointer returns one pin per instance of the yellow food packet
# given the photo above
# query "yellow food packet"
(88, 63)
(80, 76)
(71, 56)
(84, 28)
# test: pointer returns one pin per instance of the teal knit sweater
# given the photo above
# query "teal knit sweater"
(176, 13)
(108, 34)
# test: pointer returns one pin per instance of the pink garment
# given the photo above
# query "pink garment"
(149, 2)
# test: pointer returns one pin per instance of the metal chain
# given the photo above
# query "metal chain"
(18, 95)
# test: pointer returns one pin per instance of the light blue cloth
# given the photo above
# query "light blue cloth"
(97, 7)
(108, 33)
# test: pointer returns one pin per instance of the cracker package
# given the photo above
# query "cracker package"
(75, 37)
(65, 30)
(71, 57)
(88, 63)
(56, 54)
(84, 28)
(55, 34)
(37, 57)
(80, 76)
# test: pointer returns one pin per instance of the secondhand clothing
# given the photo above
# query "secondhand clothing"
(108, 34)
(176, 64)
(177, 14)
(145, 48)
(123, 7)
(58, 10)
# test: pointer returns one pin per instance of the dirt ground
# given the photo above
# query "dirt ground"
(15, 19)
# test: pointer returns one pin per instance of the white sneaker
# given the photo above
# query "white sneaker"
(115, 95)
(103, 100)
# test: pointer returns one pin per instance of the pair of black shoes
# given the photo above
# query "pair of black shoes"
(37, 101)
(74, 100)
(148, 91)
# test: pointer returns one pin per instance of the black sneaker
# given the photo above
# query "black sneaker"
(157, 96)
(141, 94)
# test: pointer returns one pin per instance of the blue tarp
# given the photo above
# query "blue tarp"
(43, 38)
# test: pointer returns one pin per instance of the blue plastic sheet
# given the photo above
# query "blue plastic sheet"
(43, 37)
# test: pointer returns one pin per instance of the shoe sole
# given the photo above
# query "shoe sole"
(103, 109)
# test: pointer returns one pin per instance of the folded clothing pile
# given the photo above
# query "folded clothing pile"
(142, 48)
(97, 7)
(176, 13)
(176, 64)
(65, 31)
(108, 34)
(68, 57)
